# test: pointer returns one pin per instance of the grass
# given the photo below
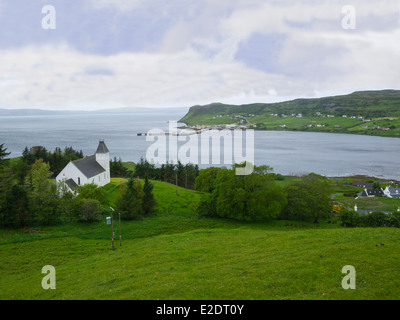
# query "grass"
(381, 107)
(239, 262)
(375, 203)
(176, 255)
(169, 198)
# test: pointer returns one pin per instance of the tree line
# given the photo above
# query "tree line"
(28, 196)
(258, 196)
(182, 175)
(57, 159)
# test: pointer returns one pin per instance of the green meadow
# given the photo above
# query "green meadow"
(174, 254)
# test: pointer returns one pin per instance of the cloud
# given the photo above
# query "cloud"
(54, 77)
(121, 5)
(159, 53)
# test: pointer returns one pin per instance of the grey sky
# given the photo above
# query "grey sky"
(156, 53)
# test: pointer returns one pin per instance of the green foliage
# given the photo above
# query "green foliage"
(207, 206)
(252, 197)
(308, 199)
(3, 154)
(375, 219)
(118, 170)
(92, 191)
(57, 159)
(206, 179)
(349, 218)
(16, 208)
(44, 194)
(90, 210)
(279, 177)
(148, 197)
(129, 204)
(298, 203)
(182, 175)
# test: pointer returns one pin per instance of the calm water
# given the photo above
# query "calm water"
(286, 152)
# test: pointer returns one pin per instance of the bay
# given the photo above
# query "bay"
(293, 153)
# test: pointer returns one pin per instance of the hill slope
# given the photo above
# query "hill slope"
(218, 263)
(319, 114)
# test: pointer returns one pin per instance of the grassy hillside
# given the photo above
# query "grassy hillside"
(381, 107)
(177, 255)
(169, 199)
(224, 262)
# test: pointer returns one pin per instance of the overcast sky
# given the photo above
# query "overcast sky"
(179, 53)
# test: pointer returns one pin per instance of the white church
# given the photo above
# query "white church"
(94, 169)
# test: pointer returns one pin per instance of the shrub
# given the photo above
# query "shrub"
(350, 218)
(374, 219)
(393, 220)
(350, 194)
(90, 210)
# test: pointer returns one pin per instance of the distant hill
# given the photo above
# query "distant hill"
(25, 112)
(381, 107)
(40, 112)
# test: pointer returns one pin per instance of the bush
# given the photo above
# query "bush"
(207, 205)
(393, 220)
(90, 210)
(350, 194)
(350, 219)
(374, 219)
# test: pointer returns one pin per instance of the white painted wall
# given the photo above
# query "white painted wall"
(72, 172)
(104, 160)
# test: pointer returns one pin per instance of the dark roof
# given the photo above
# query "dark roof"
(394, 191)
(89, 166)
(71, 184)
(363, 194)
(373, 192)
(362, 184)
(102, 148)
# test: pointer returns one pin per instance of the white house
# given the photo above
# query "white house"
(94, 169)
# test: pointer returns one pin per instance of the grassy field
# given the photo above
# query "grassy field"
(177, 255)
(169, 198)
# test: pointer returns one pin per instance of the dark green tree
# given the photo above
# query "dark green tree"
(90, 210)
(44, 194)
(148, 197)
(16, 211)
(205, 181)
(251, 197)
(3, 154)
(309, 199)
(129, 203)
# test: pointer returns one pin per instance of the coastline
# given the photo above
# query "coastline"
(188, 126)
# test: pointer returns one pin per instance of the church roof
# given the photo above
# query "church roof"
(89, 166)
(102, 148)
(71, 184)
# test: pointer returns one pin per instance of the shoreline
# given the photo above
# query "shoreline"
(306, 131)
